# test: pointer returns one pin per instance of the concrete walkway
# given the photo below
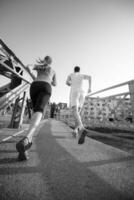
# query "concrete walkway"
(60, 169)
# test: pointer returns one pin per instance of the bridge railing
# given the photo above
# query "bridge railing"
(116, 110)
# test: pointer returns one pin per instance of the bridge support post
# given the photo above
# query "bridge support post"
(131, 90)
(18, 112)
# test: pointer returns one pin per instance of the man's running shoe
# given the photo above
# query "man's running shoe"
(82, 135)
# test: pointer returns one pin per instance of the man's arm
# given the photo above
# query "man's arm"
(68, 81)
(89, 82)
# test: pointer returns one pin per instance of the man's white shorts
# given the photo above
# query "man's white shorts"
(77, 98)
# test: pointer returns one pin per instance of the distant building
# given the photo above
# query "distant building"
(62, 105)
(107, 109)
(98, 110)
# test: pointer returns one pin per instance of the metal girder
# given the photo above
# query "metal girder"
(10, 64)
(12, 68)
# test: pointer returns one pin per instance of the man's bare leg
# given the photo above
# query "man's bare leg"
(82, 132)
(76, 128)
(77, 117)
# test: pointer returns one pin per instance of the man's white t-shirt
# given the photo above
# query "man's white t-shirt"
(77, 92)
(76, 81)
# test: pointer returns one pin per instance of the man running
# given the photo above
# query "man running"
(77, 97)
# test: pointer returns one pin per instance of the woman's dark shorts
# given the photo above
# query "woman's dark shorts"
(40, 93)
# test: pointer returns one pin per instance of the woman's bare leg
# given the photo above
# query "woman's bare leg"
(35, 121)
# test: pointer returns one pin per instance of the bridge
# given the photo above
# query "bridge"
(59, 168)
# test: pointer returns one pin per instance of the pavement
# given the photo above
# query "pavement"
(60, 169)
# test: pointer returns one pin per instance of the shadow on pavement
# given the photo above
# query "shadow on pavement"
(66, 177)
(69, 179)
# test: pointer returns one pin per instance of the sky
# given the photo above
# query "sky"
(97, 35)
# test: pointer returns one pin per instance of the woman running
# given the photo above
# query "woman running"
(40, 93)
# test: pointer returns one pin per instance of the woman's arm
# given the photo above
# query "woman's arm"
(54, 80)
(30, 72)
